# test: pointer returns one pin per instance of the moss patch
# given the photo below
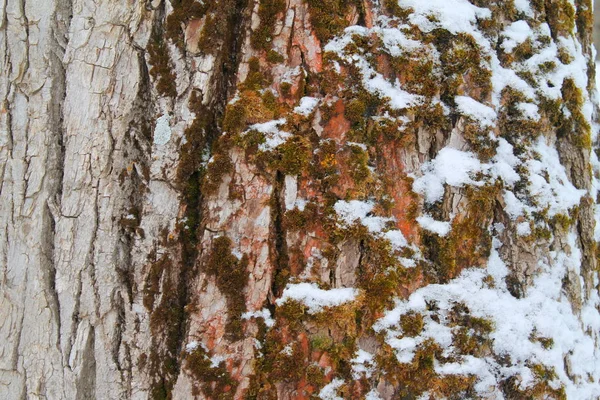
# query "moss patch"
(213, 381)
(162, 67)
(328, 16)
(231, 277)
(268, 11)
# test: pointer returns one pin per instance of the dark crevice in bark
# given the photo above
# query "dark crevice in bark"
(119, 306)
(60, 30)
(279, 244)
(134, 182)
(86, 380)
(75, 319)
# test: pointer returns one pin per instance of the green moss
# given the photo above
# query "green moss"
(250, 141)
(214, 382)
(572, 95)
(256, 78)
(355, 111)
(231, 277)
(250, 108)
(460, 59)
(564, 56)
(285, 88)
(219, 16)
(165, 325)
(268, 11)
(547, 343)
(560, 15)
(417, 73)
(315, 376)
(293, 156)
(294, 220)
(584, 19)
(547, 67)
(220, 166)
(470, 334)
(541, 389)
(292, 312)
(479, 139)
(419, 376)
(469, 243)
(514, 126)
(358, 164)
(162, 67)
(235, 117)
(327, 17)
(431, 117)
(183, 11)
(393, 8)
(274, 57)
(208, 41)
(576, 128)
(562, 222)
(287, 362)
(324, 168)
(270, 101)
(381, 277)
(412, 324)
(321, 342)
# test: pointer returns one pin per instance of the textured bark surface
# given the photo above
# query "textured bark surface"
(149, 225)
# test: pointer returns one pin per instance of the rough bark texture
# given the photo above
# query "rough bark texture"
(148, 226)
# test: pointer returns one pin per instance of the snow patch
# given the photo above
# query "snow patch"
(315, 298)
(441, 228)
(480, 112)
(452, 167)
(329, 391)
(265, 314)
(306, 106)
(274, 137)
(515, 34)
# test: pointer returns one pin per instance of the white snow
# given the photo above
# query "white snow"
(441, 228)
(523, 229)
(191, 346)
(548, 181)
(373, 395)
(273, 135)
(452, 167)
(265, 314)
(476, 110)
(529, 110)
(396, 238)
(315, 298)
(504, 162)
(516, 33)
(524, 6)
(356, 211)
(359, 211)
(329, 391)
(454, 15)
(306, 106)
(544, 308)
(162, 130)
(373, 81)
(363, 364)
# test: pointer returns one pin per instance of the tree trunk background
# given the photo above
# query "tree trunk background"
(150, 231)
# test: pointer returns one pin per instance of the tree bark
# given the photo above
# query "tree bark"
(298, 199)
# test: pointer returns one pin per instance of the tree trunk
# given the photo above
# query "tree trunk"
(298, 199)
